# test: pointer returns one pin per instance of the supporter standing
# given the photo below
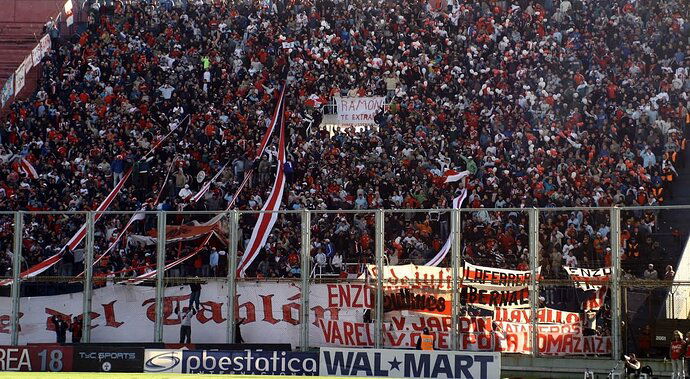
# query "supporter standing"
(185, 323)
(677, 352)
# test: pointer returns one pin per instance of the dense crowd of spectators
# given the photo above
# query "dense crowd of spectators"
(546, 103)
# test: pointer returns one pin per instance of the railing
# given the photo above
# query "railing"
(305, 224)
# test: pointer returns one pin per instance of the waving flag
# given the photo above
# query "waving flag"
(264, 224)
(454, 176)
(76, 238)
(457, 204)
(27, 168)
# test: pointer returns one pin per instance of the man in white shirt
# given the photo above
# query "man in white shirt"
(570, 259)
(185, 323)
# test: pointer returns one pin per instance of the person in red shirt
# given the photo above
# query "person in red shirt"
(677, 352)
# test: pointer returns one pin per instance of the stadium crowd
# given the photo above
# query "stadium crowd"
(546, 103)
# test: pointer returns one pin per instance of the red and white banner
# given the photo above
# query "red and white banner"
(272, 313)
(264, 224)
(26, 168)
(76, 238)
(264, 143)
(595, 299)
(152, 274)
(454, 176)
(544, 315)
(590, 279)
(438, 258)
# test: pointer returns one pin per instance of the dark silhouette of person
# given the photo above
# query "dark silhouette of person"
(60, 329)
(238, 331)
(76, 328)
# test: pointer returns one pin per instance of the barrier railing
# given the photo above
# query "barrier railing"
(167, 255)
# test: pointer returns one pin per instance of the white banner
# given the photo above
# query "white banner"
(497, 279)
(45, 44)
(359, 110)
(28, 63)
(37, 55)
(7, 90)
(409, 363)
(19, 79)
(590, 279)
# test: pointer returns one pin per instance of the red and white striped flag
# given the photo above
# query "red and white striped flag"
(264, 224)
(454, 176)
(152, 274)
(207, 185)
(262, 147)
(76, 238)
(436, 260)
(25, 167)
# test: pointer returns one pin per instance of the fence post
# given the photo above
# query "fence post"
(378, 333)
(88, 279)
(533, 285)
(305, 268)
(234, 217)
(615, 281)
(16, 269)
(160, 273)
(457, 270)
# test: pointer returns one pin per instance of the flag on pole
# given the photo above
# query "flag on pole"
(436, 260)
(76, 238)
(454, 176)
(264, 224)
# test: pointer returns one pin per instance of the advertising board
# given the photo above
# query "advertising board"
(36, 358)
(409, 363)
(243, 362)
(108, 359)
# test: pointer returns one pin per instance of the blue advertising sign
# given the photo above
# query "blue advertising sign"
(409, 363)
(244, 362)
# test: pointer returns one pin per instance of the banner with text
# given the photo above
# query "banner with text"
(409, 363)
(359, 110)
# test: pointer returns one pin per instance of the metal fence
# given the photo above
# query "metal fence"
(660, 295)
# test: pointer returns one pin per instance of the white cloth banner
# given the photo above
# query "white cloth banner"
(7, 90)
(45, 44)
(590, 279)
(359, 110)
(37, 55)
(496, 278)
(19, 79)
(28, 63)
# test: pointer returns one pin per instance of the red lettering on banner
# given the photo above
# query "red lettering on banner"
(349, 295)
(6, 323)
(320, 311)
(268, 309)
(109, 311)
(351, 334)
(289, 308)
(249, 308)
(93, 316)
(51, 312)
(168, 308)
(399, 323)
(216, 310)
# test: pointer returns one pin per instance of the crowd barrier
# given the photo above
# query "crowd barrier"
(325, 362)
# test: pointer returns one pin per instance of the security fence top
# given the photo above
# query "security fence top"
(360, 211)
